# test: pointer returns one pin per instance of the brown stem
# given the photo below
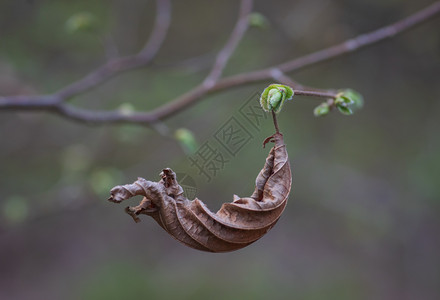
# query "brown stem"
(275, 122)
(315, 94)
(282, 78)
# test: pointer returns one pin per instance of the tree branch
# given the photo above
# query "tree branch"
(191, 97)
(235, 37)
(212, 83)
(299, 89)
(121, 64)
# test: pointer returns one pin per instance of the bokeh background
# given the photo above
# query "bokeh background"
(363, 217)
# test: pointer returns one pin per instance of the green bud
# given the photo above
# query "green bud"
(126, 109)
(15, 209)
(343, 100)
(186, 139)
(321, 110)
(81, 22)
(274, 96)
(358, 100)
(258, 20)
(344, 109)
(347, 101)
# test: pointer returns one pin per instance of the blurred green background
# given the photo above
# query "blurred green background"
(363, 217)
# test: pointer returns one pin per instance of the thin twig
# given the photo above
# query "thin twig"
(54, 103)
(326, 54)
(191, 97)
(299, 89)
(234, 39)
(280, 77)
(210, 82)
(362, 40)
(121, 64)
(275, 122)
(315, 94)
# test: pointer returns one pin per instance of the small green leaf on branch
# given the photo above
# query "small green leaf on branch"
(258, 20)
(344, 109)
(186, 140)
(15, 209)
(321, 110)
(126, 109)
(347, 101)
(81, 22)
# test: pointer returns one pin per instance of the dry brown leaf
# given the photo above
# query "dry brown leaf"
(236, 225)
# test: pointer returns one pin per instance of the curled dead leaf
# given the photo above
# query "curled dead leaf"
(236, 225)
